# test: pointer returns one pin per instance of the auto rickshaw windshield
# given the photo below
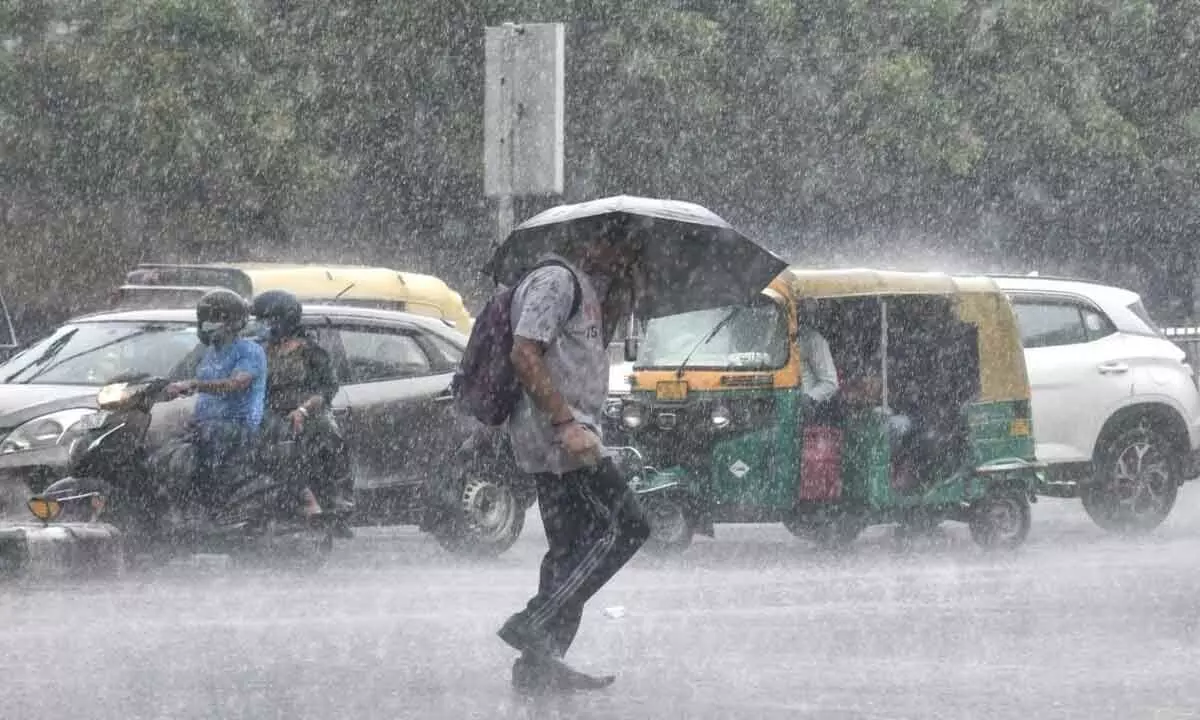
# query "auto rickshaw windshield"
(756, 340)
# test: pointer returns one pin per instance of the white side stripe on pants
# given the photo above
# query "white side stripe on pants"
(586, 566)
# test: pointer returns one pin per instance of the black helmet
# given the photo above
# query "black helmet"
(281, 312)
(221, 313)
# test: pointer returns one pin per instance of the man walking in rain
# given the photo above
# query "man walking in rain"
(563, 317)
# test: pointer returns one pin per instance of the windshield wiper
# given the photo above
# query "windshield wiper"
(149, 329)
(51, 350)
(708, 338)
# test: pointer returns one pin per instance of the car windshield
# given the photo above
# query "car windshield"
(755, 339)
(91, 353)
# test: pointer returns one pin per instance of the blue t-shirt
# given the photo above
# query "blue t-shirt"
(245, 407)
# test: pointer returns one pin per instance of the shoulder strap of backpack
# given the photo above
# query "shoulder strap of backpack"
(578, 298)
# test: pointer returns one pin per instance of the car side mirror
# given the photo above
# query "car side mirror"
(632, 326)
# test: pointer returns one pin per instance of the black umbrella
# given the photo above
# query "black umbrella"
(691, 259)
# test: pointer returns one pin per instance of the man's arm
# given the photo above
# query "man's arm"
(820, 359)
(323, 377)
(545, 307)
(237, 382)
(251, 364)
(535, 378)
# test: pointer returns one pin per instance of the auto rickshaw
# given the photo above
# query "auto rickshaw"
(714, 415)
(152, 284)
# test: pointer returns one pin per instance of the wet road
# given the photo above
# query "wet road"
(753, 625)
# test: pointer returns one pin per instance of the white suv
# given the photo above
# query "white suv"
(1116, 410)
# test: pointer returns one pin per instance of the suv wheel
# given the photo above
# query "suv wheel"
(1136, 480)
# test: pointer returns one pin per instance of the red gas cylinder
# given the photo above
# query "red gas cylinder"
(821, 464)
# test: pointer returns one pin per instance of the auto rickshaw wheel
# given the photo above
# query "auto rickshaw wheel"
(834, 533)
(671, 526)
(489, 521)
(1001, 521)
(1136, 483)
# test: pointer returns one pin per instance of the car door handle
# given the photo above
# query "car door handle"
(1112, 368)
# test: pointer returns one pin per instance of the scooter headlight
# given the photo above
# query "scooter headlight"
(721, 417)
(114, 395)
(632, 416)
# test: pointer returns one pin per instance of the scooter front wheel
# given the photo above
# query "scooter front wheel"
(305, 549)
(671, 526)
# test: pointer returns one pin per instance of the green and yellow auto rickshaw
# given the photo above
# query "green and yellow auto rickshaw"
(931, 420)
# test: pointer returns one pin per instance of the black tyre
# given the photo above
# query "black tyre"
(1136, 481)
(316, 547)
(306, 550)
(1001, 521)
(671, 526)
(918, 529)
(490, 519)
(831, 533)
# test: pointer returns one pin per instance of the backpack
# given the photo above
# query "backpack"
(485, 386)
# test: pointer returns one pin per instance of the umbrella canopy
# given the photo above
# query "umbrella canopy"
(689, 257)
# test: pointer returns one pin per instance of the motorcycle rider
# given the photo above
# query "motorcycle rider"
(301, 384)
(231, 382)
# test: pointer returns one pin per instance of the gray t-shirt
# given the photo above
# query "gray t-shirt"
(575, 358)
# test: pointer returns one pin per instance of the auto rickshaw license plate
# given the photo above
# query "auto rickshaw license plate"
(672, 391)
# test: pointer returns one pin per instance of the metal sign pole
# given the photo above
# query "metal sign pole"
(508, 84)
(523, 115)
(883, 354)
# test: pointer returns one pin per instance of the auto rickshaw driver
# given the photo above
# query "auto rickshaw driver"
(818, 373)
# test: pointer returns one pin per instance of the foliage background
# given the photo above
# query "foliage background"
(1056, 135)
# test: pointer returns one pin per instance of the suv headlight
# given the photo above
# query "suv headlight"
(56, 428)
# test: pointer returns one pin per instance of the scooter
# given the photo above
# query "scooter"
(111, 481)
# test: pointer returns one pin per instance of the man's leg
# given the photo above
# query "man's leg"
(232, 448)
(206, 467)
(593, 526)
(539, 668)
(621, 521)
(564, 517)
(333, 463)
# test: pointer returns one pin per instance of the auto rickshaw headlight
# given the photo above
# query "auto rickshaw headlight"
(721, 417)
(632, 416)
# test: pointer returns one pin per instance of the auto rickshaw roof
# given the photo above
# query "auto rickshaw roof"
(414, 292)
(850, 282)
